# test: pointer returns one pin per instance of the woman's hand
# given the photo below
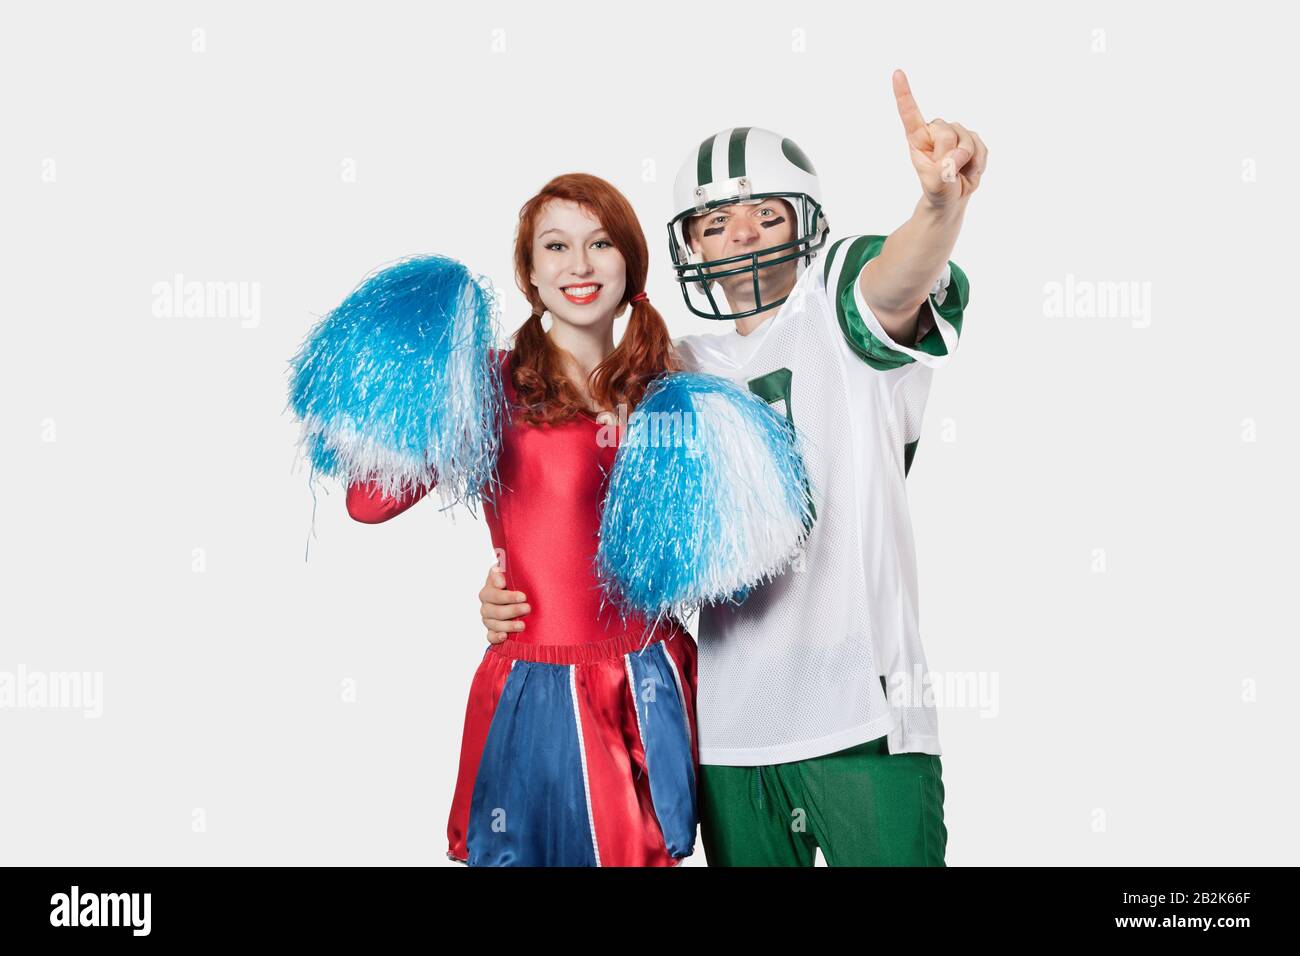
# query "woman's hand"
(500, 607)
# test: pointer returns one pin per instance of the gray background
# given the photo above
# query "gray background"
(1100, 501)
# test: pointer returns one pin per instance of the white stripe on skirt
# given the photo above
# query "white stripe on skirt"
(582, 753)
(681, 694)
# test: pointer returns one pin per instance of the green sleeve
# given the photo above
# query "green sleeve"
(864, 334)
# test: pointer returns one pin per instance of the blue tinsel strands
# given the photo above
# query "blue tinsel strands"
(399, 385)
(708, 498)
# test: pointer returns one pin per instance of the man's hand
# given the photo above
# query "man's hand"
(500, 607)
(949, 159)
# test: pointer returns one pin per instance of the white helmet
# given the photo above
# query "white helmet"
(743, 164)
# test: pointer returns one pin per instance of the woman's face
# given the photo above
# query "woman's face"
(578, 273)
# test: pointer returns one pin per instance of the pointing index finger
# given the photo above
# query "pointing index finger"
(908, 111)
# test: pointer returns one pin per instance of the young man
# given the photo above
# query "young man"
(814, 718)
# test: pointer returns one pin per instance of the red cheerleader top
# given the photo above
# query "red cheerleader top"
(544, 520)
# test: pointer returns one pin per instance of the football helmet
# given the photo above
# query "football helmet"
(744, 164)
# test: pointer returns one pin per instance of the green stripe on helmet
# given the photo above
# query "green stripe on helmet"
(797, 156)
(704, 162)
(736, 151)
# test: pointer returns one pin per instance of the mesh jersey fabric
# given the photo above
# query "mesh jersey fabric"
(793, 671)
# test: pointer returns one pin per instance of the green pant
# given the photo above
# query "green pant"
(863, 806)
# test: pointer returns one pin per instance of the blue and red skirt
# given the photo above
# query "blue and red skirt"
(579, 755)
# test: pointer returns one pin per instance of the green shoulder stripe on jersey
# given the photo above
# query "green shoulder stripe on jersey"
(830, 259)
(736, 152)
(860, 338)
(870, 349)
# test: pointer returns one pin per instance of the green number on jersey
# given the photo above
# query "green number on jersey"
(775, 387)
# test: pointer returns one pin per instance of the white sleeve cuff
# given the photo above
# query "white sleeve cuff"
(940, 288)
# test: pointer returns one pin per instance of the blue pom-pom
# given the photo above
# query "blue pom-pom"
(399, 384)
(707, 499)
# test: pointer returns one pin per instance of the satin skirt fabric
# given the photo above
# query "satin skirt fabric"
(579, 755)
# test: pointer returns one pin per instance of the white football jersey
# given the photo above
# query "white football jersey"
(828, 655)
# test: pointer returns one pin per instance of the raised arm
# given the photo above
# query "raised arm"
(399, 382)
(949, 160)
(367, 504)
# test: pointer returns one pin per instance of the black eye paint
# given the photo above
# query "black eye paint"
(715, 231)
(769, 223)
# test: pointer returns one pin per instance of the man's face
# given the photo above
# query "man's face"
(743, 228)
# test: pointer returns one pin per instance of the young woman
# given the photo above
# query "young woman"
(579, 743)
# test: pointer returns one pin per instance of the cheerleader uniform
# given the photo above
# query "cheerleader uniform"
(579, 744)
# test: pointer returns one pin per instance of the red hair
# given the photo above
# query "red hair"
(645, 350)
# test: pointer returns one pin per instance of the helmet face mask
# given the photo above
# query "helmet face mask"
(744, 165)
(699, 275)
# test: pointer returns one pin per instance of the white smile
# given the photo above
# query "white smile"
(580, 290)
